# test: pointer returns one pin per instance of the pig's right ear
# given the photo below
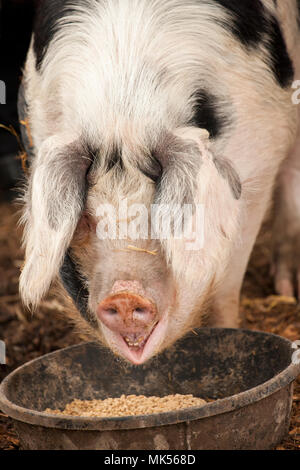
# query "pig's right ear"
(54, 201)
(200, 177)
(224, 167)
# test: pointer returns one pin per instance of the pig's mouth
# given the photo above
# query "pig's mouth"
(140, 342)
(141, 349)
(136, 348)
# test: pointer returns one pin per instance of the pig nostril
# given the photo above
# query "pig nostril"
(126, 312)
(140, 310)
(111, 311)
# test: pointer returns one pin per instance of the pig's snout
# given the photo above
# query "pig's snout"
(132, 323)
(128, 314)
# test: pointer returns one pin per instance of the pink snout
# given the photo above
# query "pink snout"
(127, 313)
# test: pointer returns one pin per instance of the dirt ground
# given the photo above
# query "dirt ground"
(28, 337)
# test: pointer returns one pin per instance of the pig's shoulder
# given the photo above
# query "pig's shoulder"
(258, 28)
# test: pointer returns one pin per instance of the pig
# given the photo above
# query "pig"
(166, 104)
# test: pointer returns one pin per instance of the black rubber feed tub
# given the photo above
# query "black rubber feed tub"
(249, 374)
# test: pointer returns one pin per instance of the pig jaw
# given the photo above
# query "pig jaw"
(131, 323)
(149, 346)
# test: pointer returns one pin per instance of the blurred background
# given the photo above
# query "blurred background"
(15, 32)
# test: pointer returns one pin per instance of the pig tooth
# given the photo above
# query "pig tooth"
(135, 344)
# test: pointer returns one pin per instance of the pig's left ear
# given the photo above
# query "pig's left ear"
(54, 202)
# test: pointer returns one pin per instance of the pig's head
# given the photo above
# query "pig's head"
(139, 289)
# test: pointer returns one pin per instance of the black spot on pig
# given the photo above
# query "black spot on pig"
(281, 63)
(48, 13)
(75, 286)
(248, 20)
(207, 115)
(254, 26)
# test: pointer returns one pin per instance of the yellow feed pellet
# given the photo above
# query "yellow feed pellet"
(130, 405)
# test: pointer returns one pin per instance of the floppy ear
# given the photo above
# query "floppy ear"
(218, 188)
(181, 156)
(210, 181)
(180, 162)
(55, 199)
(224, 167)
(191, 172)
